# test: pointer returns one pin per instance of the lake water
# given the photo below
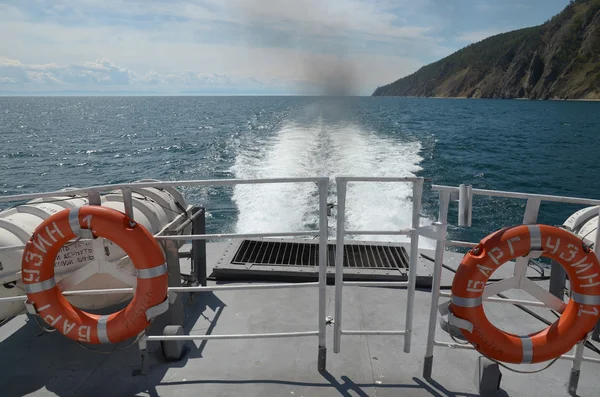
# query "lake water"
(528, 146)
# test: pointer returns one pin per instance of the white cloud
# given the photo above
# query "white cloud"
(332, 18)
(7, 80)
(100, 72)
(103, 74)
(211, 43)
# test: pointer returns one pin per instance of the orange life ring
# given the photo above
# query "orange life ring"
(579, 317)
(37, 268)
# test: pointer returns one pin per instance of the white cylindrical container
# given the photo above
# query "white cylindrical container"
(153, 208)
(584, 223)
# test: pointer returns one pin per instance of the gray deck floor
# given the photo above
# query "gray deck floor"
(51, 365)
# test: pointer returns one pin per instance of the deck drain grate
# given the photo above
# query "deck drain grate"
(359, 256)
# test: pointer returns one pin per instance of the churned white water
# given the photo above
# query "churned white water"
(342, 149)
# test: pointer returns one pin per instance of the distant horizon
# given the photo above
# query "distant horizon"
(163, 95)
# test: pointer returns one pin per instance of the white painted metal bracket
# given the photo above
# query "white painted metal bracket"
(448, 317)
(30, 308)
(435, 231)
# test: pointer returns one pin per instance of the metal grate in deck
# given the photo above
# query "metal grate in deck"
(359, 256)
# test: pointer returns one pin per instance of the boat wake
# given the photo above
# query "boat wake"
(325, 150)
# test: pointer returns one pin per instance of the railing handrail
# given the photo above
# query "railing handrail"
(160, 184)
(380, 178)
(530, 216)
(412, 232)
(172, 254)
(519, 195)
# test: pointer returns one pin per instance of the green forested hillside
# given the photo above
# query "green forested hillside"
(559, 59)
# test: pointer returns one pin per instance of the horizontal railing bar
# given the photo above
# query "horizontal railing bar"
(401, 232)
(234, 336)
(73, 293)
(237, 287)
(502, 300)
(567, 357)
(12, 247)
(515, 302)
(498, 193)
(456, 243)
(588, 359)
(360, 332)
(375, 283)
(453, 345)
(186, 237)
(208, 182)
(378, 179)
(591, 359)
(243, 287)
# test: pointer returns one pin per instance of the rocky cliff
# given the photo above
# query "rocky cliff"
(557, 60)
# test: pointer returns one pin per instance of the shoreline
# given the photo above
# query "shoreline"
(502, 99)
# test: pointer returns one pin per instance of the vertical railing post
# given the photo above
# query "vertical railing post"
(465, 207)
(558, 278)
(174, 315)
(529, 218)
(596, 333)
(128, 202)
(339, 262)
(412, 267)
(435, 288)
(199, 246)
(323, 235)
(597, 241)
(576, 369)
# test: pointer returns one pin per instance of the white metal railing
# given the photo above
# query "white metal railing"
(413, 232)
(93, 195)
(545, 298)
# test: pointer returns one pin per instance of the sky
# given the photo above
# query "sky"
(240, 47)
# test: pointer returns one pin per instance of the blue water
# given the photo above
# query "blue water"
(528, 146)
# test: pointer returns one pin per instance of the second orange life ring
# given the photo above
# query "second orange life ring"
(146, 255)
(577, 320)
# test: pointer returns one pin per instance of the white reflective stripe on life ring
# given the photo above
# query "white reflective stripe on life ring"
(527, 344)
(152, 272)
(41, 286)
(535, 238)
(466, 302)
(585, 299)
(101, 329)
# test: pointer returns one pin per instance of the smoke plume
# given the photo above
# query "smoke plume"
(314, 30)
